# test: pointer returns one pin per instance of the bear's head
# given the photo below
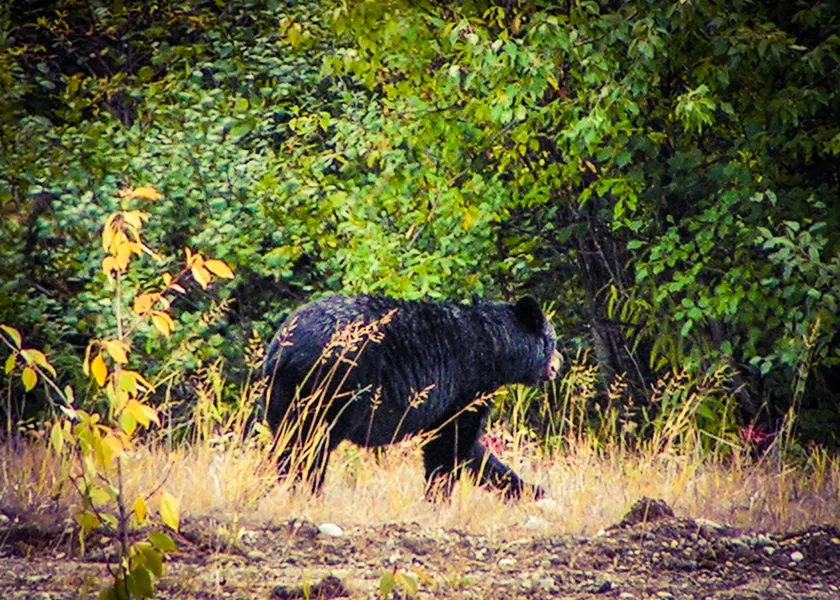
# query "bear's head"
(533, 320)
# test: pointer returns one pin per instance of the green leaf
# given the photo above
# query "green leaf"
(108, 594)
(154, 559)
(239, 131)
(386, 584)
(162, 541)
(139, 583)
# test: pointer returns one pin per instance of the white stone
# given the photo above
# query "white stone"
(797, 556)
(330, 530)
(535, 523)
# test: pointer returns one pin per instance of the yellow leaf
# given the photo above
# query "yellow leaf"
(10, 364)
(117, 397)
(86, 363)
(151, 414)
(36, 356)
(163, 322)
(99, 370)
(109, 265)
(140, 510)
(135, 218)
(142, 413)
(107, 449)
(123, 256)
(128, 423)
(69, 397)
(118, 240)
(136, 409)
(56, 437)
(423, 576)
(101, 495)
(145, 193)
(218, 267)
(87, 520)
(117, 349)
(189, 255)
(128, 382)
(144, 302)
(29, 378)
(131, 381)
(12, 333)
(108, 232)
(202, 276)
(170, 511)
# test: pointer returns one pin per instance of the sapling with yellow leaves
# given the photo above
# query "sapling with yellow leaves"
(94, 445)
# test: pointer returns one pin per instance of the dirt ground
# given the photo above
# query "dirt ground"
(650, 555)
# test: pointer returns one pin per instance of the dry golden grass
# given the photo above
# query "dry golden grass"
(590, 489)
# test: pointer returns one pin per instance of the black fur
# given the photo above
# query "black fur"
(421, 368)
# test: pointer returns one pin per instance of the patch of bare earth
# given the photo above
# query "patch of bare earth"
(649, 555)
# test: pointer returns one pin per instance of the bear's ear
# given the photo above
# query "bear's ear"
(529, 313)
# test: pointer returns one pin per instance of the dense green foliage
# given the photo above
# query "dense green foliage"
(664, 174)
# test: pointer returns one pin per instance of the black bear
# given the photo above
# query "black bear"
(373, 370)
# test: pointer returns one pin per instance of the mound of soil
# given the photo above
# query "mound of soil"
(649, 555)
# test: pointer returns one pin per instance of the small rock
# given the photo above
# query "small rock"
(507, 563)
(769, 550)
(797, 556)
(627, 596)
(330, 530)
(535, 523)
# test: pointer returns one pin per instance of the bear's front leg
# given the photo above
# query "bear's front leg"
(492, 472)
(456, 447)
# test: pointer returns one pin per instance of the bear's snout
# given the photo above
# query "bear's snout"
(553, 367)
